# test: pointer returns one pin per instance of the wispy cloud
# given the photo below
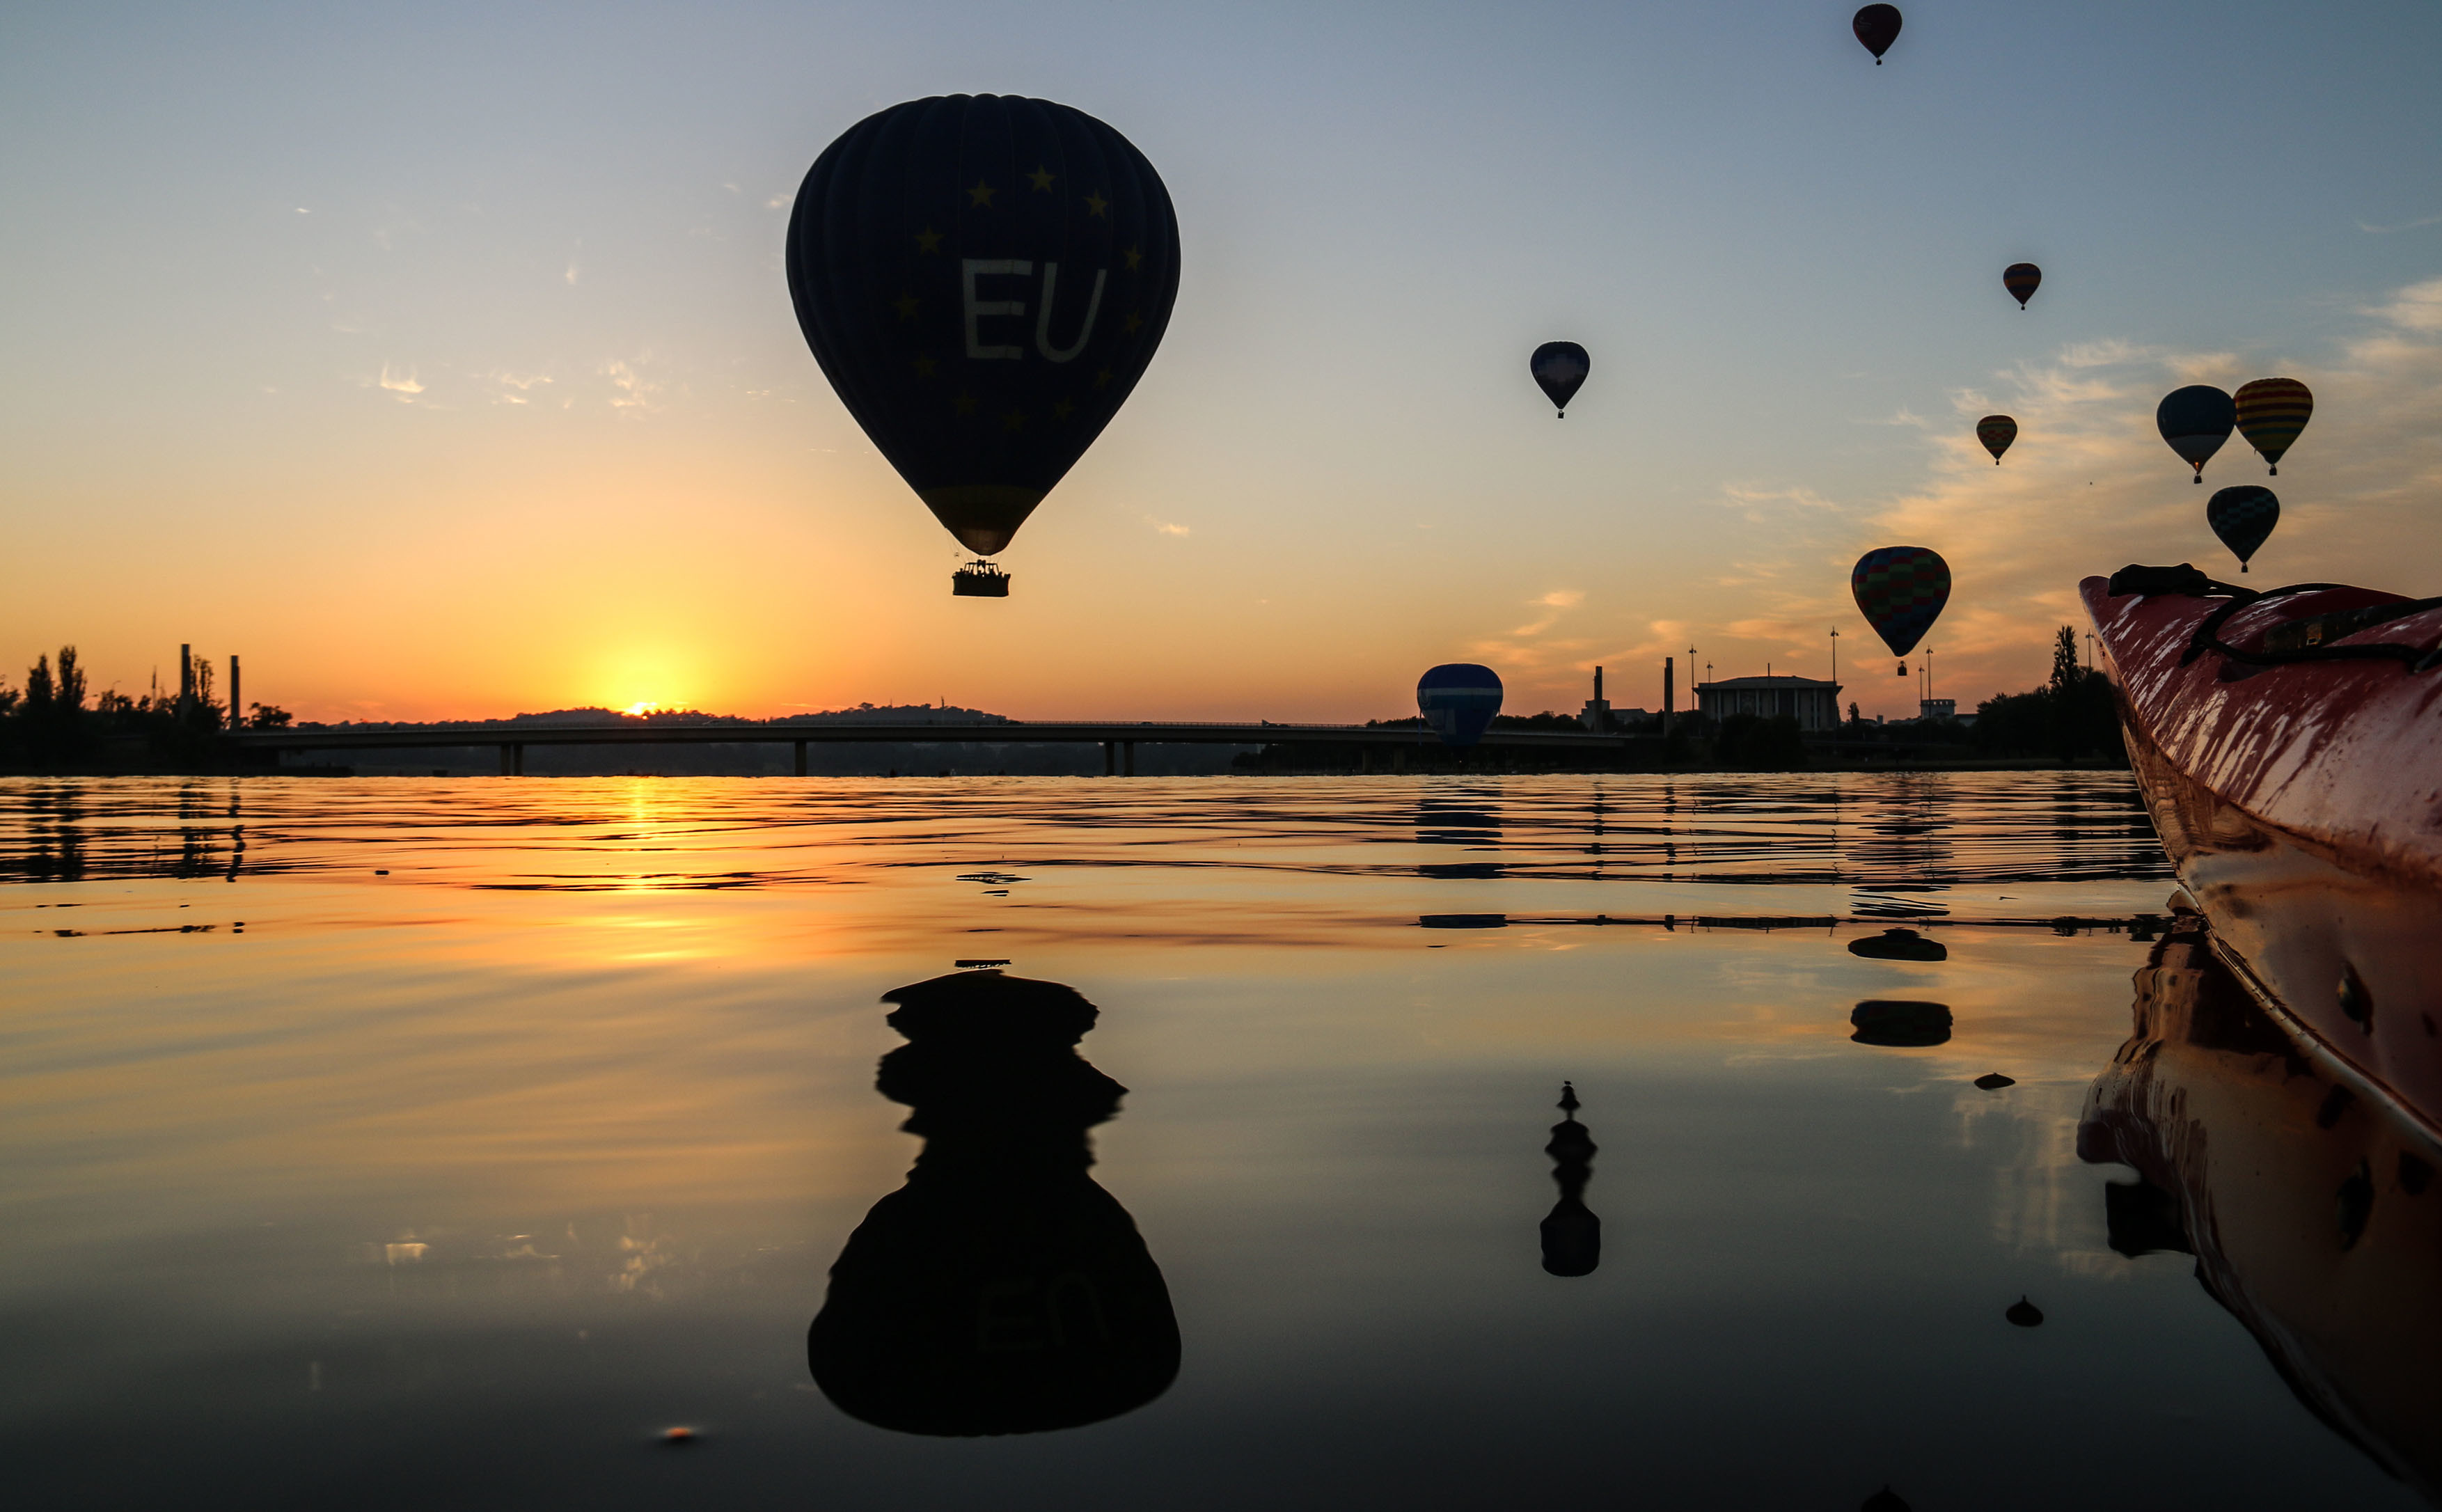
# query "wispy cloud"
(631, 392)
(2404, 225)
(403, 384)
(1166, 528)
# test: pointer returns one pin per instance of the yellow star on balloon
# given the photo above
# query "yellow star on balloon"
(1042, 177)
(905, 305)
(964, 404)
(1102, 378)
(1133, 323)
(924, 367)
(1096, 205)
(1013, 422)
(928, 240)
(1134, 258)
(981, 195)
(1063, 409)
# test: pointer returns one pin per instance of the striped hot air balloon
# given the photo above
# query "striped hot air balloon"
(2021, 278)
(2243, 517)
(1901, 590)
(2271, 412)
(2195, 420)
(1997, 432)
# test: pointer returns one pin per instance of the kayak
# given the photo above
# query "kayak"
(2289, 747)
(2314, 1216)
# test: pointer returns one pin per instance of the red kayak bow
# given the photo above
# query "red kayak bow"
(2289, 745)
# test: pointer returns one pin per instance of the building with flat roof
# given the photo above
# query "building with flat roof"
(1812, 703)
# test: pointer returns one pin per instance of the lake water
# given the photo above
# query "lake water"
(449, 1143)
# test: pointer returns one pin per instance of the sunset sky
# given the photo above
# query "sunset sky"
(438, 360)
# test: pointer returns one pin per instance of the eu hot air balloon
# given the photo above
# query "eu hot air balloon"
(1901, 590)
(2196, 421)
(1877, 27)
(1559, 369)
(1458, 699)
(2271, 412)
(983, 278)
(2243, 517)
(1997, 432)
(2022, 279)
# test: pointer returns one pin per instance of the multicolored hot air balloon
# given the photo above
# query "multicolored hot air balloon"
(2243, 517)
(1901, 590)
(983, 279)
(1877, 27)
(1559, 369)
(1458, 699)
(2196, 421)
(2271, 412)
(1997, 432)
(2021, 280)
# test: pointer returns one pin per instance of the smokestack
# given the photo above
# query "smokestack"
(1669, 695)
(186, 677)
(236, 716)
(1597, 684)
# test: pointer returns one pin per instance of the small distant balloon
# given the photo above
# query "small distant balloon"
(1877, 27)
(1997, 432)
(2243, 517)
(2025, 1314)
(2021, 280)
(2271, 412)
(1458, 699)
(1559, 369)
(2196, 421)
(1901, 590)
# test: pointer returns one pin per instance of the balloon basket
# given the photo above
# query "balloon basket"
(979, 579)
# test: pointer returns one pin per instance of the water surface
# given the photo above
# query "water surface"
(400, 1142)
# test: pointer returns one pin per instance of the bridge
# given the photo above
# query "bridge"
(1118, 740)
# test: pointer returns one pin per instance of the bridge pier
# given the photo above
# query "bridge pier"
(801, 758)
(1128, 759)
(1110, 758)
(513, 759)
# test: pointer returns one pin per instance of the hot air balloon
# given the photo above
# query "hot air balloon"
(1877, 27)
(2021, 280)
(1559, 369)
(983, 279)
(1459, 700)
(1997, 432)
(2196, 421)
(1901, 590)
(2243, 517)
(2271, 412)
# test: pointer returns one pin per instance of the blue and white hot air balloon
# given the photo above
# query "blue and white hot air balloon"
(1459, 700)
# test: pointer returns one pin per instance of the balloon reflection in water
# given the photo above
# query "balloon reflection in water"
(1000, 1290)
(1571, 1234)
(2308, 1205)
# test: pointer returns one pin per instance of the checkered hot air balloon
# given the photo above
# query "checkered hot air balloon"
(2271, 412)
(2195, 420)
(2243, 517)
(1997, 432)
(2021, 278)
(1901, 590)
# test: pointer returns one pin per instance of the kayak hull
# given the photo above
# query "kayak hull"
(2302, 806)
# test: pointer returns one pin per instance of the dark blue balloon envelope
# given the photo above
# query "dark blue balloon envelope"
(1458, 699)
(983, 279)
